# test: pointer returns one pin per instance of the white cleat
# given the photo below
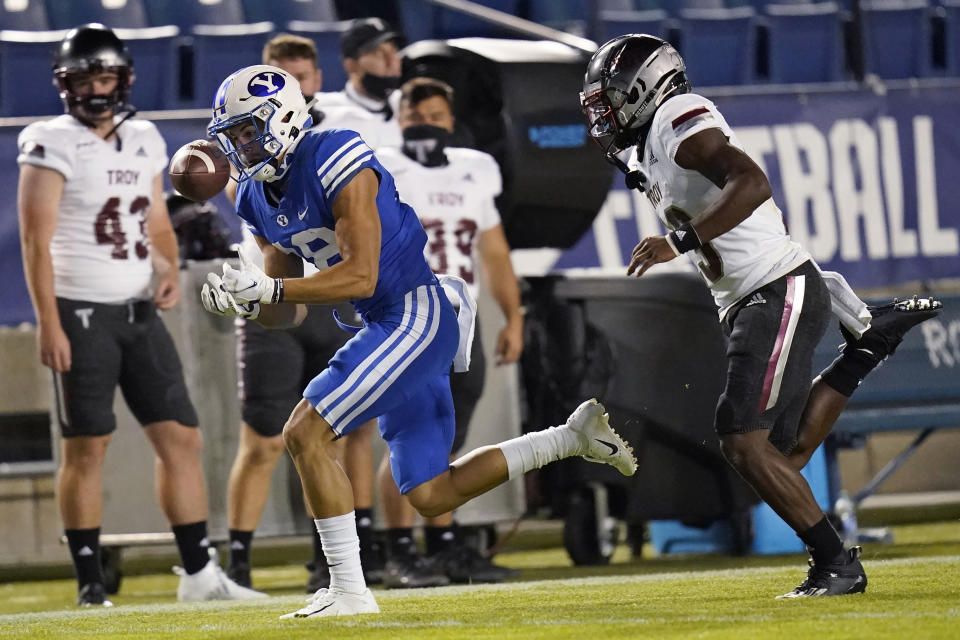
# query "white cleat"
(333, 602)
(600, 443)
(211, 583)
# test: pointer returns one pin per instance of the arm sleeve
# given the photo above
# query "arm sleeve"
(682, 117)
(42, 147)
(340, 156)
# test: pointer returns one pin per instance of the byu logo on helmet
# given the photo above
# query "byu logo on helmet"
(265, 84)
(259, 113)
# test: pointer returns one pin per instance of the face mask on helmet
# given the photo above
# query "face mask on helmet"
(259, 114)
(601, 112)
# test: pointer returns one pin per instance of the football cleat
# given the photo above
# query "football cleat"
(319, 577)
(463, 564)
(832, 579)
(93, 594)
(240, 573)
(409, 570)
(211, 583)
(333, 602)
(889, 325)
(600, 443)
(371, 559)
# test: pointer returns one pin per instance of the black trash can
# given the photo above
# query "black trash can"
(652, 351)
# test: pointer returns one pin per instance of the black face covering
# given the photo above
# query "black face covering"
(425, 143)
(380, 87)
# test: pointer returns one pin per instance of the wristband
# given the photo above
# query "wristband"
(277, 291)
(684, 238)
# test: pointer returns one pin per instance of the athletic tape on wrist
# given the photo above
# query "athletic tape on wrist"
(277, 291)
(684, 238)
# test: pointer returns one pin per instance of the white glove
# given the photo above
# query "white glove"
(219, 302)
(250, 283)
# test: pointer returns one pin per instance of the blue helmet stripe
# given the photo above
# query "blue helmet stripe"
(219, 101)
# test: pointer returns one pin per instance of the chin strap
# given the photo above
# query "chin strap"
(633, 178)
(126, 116)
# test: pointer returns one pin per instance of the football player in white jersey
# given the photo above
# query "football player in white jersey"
(452, 190)
(368, 101)
(95, 232)
(774, 302)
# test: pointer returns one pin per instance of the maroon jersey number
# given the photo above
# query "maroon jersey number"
(108, 230)
(463, 235)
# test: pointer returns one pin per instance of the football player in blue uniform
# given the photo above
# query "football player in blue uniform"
(322, 196)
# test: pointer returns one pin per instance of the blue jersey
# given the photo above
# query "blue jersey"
(303, 223)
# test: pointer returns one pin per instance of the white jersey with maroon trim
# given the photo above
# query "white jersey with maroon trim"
(756, 251)
(341, 111)
(454, 203)
(100, 248)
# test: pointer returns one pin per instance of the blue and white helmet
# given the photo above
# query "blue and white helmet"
(270, 99)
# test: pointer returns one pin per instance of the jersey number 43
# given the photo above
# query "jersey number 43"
(108, 229)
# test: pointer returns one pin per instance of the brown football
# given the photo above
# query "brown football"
(199, 170)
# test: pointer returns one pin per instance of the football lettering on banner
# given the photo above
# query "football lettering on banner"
(942, 339)
(843, 191)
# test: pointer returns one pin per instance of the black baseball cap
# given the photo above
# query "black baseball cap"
(364, 35)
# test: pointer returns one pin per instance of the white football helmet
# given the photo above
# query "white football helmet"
(269, 99)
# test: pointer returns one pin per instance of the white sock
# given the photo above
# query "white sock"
(341, 546)
(533, 450)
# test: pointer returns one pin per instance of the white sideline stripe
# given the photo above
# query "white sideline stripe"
(207, 162)
(349, 170)
(296, 601)
(336, 170)
(336, 154)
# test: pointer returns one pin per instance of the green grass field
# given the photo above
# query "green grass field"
(914, 592)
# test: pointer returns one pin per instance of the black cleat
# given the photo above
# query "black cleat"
(465, 565)
(832, 579)
(890, 323)
(240, 573)
(371, 559)
(93, 594)
(319, 575)
(408, 570)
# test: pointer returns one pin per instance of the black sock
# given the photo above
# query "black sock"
(85, 550)
(319, 559)
(439, 539)
(240, 546)
(365, 528)
(193, 545)
(824, 542)
(846, 373)
(400, 540)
